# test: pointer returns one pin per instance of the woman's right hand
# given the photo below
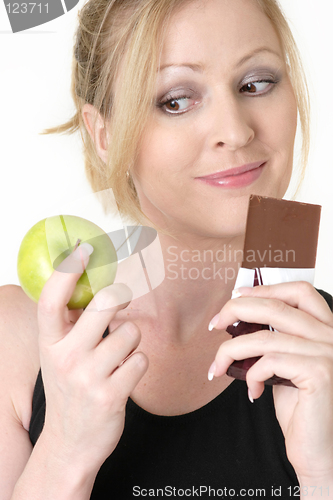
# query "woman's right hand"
(87, 378)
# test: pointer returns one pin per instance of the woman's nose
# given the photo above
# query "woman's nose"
(231, 124)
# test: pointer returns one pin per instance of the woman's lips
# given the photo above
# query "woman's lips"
(235, 177)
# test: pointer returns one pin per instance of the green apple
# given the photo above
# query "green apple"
(50, 241)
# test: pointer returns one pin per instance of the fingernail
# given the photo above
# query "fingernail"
(213, 322)
(83, 251)
(211, 371)
(244, 290)
(235, 294)
(250, 395)
(77, 261)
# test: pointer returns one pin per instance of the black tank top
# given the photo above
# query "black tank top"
(228, 448)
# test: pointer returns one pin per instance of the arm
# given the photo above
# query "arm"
(87, 381)
(50, 475)
(27, 473)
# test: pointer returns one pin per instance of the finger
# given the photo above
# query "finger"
(116, 347)
(52, 305)
(306, 373)
(299, 294)
(276, 313)
(127, 376)
(265, 342)
(88, 330)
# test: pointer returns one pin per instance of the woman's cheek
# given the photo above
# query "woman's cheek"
(167, 151)
(283, 122)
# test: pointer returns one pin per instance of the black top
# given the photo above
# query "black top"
(229, 445)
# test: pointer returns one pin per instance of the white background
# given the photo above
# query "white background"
(39, 172)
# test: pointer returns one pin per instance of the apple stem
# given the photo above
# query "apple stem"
(77, 244)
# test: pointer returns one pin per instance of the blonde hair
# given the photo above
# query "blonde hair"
(297, 76)
(123, 39)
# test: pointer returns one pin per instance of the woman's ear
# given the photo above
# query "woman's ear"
(97, 130)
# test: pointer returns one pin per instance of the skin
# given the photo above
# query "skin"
(222, 127)
(84, 375)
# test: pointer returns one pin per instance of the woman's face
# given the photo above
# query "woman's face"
(223, 102)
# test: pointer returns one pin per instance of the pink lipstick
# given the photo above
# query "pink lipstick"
(235, 177)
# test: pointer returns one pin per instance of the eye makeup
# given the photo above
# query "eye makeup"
(181, 98)
(176, 98)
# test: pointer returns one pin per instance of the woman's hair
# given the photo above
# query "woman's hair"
(122, 39)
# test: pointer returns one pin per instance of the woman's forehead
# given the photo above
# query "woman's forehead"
(217, 29)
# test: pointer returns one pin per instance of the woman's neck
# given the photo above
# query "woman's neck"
(199, 278)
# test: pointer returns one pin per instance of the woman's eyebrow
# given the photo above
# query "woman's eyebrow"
(194, 67)
(254, 53)
(199, 67)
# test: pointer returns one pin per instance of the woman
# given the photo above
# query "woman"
(219, 101)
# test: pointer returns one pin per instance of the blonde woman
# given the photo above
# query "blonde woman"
(185, 109)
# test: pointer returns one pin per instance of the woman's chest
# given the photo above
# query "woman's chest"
(176, 381)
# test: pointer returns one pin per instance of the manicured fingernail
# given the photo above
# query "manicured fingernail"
(235, 294)
(77, 261)
(211, 371)
(213, 322)
(83, 251)
(81, 254)
(250, 395)
(244, 290)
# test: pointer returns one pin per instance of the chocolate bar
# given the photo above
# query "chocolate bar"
(280, 245)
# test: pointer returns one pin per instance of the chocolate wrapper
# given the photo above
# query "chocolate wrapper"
(275, 230)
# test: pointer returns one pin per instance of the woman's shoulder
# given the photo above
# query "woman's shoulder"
(19, 354)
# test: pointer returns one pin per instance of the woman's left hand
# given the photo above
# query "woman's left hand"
(301, 350)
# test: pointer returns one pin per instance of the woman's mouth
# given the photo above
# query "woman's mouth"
(235, 177)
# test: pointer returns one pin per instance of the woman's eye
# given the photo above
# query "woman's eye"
(260, 87)
(177, 105)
